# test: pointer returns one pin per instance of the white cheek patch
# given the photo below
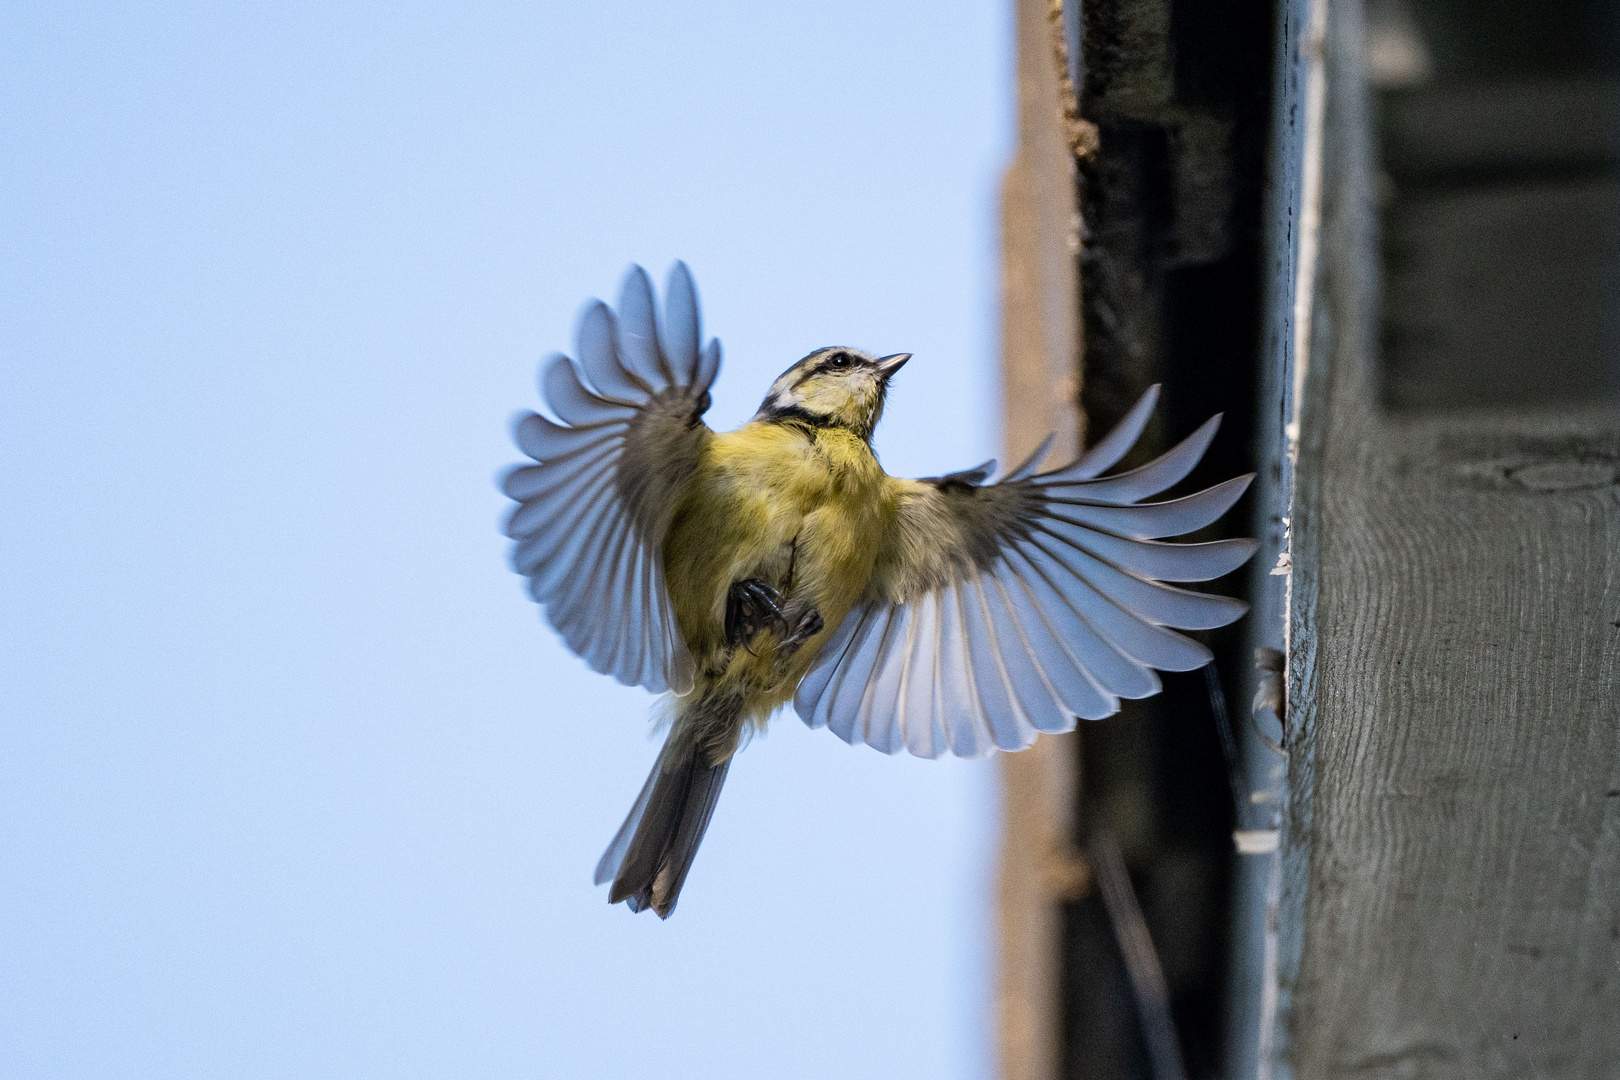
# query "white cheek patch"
(783, 395)
(842, 394)
(833, 395)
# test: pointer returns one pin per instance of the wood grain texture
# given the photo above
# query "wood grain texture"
(1463, 916)
(1040, 346)
(1453, 847)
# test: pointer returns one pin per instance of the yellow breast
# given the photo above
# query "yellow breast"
(804, 511)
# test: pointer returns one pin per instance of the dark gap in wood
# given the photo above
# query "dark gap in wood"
(1500, 201)
(1172, 278)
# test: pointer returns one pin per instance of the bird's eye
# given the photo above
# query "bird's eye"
(838, 361)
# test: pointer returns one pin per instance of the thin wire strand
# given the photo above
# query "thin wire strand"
(1141, 959)
(1229, 749)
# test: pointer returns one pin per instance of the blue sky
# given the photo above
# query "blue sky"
(296, 782)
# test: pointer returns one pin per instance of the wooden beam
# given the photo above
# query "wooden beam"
(1040, 373)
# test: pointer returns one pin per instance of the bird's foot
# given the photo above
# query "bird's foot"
(752, 606)
(806, 626)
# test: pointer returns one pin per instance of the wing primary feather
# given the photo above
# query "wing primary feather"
(1087, 672)
(814, 685)
(1105, 640)
(545, 440)
(557, 480)
(1142, 641)
(1155, 558)
(919, 680)
(621, 598)
(683, 325)
(904, 658)
(1117, 443)
(1149, 521)
(846, 696)
(643, 665)
(679, 667)
(953, 727)
(1037, 696)
(886, 731)
(824, 710)
(939, 733)
(573, 404)
(562, 489)
(638, 329)
(1160, 603)
(555, 476)
(625, 593)
(1031, 463)
(1078, 638)
(880, 701)
(596, 343)
(1161, 473)
(967, 733)
(549, 557)
(1010, 729)
(540, 549)
(967, 616)
(840, 706)
(521, 480)
(541, 556)
(575, 614)
(598, 628)
(708, 366)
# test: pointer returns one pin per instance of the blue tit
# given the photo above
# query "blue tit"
(739, 571)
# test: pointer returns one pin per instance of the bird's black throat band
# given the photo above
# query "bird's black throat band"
(795, 414)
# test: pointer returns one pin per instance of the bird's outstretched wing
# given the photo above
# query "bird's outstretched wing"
(998, 611)
(591, 516)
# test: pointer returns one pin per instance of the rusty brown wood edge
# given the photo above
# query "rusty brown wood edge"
(1040, 378)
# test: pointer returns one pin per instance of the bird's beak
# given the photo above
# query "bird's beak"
(888, 365)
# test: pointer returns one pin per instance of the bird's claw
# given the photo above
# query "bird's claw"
(754, 605)
(751, 606)
(808, 625)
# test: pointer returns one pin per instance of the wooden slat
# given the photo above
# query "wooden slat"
(1040, 346)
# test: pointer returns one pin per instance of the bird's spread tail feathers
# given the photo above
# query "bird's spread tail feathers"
(652, 851)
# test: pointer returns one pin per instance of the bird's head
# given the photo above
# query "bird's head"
(833, 387)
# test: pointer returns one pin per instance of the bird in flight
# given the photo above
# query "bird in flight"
(738, 571)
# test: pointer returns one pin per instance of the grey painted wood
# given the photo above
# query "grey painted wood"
(1452, 853)
(1252, 990)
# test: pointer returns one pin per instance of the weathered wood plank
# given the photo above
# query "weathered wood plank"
(1454, 831)
(1464, 904)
